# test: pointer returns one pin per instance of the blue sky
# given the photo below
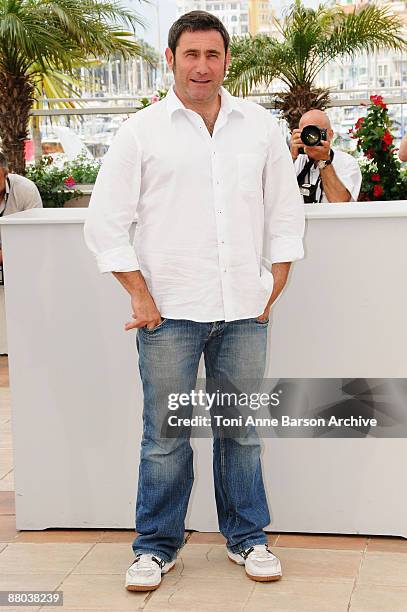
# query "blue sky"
(167, 15)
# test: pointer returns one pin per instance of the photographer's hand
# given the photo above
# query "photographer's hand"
(296, 143)
(321, 152)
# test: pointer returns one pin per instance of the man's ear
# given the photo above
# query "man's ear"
(169, 56)
(330, 134)
(228, 58)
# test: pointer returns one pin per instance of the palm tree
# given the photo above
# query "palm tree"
(308, 39)
(39, 37)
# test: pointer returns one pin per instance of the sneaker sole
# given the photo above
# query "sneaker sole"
(146, 587)
(270, 578)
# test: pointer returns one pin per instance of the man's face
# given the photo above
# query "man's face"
(199, 65)
(3, 176)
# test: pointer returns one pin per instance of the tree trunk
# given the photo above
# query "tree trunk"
(16, 99)
(300, 99)
(36, 136)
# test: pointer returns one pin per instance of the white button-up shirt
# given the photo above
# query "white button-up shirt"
(212, 212)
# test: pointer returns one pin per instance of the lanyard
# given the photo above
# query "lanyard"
(6, 195)
(317, 184)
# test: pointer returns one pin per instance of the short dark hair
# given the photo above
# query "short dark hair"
(3, 161)
(193, 22)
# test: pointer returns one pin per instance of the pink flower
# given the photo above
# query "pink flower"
(154, 99)
(70, 182)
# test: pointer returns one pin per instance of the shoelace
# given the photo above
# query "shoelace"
(144, 563)
(260, 552)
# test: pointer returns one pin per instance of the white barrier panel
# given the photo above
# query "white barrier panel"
(76, 394)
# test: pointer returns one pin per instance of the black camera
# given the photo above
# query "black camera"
(308, 192)
(312, 135)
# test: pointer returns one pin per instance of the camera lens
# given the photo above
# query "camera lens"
(311, 135)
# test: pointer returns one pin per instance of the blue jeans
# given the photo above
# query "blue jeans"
(169, 356)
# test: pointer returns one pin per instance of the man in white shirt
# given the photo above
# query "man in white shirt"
(214, 188)
(16, 193)
(335, 174)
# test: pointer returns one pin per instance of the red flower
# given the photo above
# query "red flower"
(377, 191)
(359, 122)
(384, 146)
(369, 153)
(375, 177)
(387, 138)
(70, 182)
(377, 101)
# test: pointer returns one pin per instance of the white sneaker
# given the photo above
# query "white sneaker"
(144, 574)
(260, 563)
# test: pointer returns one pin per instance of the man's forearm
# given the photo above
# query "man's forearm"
(280, 274)
(133, 281)
(334, 190)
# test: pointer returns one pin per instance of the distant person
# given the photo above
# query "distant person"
(403, 149)
(16, 193)
(323, 174)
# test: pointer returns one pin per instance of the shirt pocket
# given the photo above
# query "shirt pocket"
(250, 171)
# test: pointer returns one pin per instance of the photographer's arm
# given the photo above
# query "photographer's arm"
(334, 189)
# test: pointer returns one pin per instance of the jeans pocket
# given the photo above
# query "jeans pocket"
(150, 331)
(264, 322)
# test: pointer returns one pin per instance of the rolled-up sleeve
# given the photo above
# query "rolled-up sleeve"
(113, 204)
(284, 217)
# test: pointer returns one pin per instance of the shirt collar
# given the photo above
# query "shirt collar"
(228, 102)
(6, 194)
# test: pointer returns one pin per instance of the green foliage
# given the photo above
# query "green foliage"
(57, 185)
(382, 178)
(144, 102)
(83, 170)
(55, 34)
(308, 40)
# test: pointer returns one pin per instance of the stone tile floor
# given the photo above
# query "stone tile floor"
(322, 573)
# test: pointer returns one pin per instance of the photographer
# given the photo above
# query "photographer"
(16, 193)
(323, 175)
